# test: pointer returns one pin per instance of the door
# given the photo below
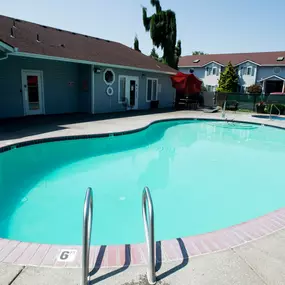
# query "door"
(132, 92)
(32, 90)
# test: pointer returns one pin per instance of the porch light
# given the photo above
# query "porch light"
(97, 70)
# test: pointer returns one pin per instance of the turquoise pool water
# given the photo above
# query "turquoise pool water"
(203, 176)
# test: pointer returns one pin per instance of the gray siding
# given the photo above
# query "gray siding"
(60, 96)
(84, 88)
(266, 71)
(67, 87)
(104, 103)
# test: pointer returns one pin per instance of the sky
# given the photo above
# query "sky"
(212, 26)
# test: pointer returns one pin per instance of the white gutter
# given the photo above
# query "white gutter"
(192, 66)
(40, 56)
(7, 47)
(5, 57)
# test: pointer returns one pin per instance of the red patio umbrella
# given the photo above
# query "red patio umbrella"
(186, 83)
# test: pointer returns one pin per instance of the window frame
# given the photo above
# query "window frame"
(249, 68)
(114, 76)
(119, 87)
(152, 80)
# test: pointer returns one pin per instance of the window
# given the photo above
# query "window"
(196, 60)
(122, 89)
(109, 76)
(280, 58)
(248, 71)
(214, 71)
(151, 89)
(209, 70)
(211, 88)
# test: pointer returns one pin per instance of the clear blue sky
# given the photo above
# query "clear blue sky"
(213, 26)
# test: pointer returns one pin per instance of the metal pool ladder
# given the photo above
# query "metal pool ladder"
(87, 227)
(148, 218)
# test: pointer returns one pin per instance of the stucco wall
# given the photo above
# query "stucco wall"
(104, 103)
(60, 96)
(244, 79)
(212, 80)
(198, 71)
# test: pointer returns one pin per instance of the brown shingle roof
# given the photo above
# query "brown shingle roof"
(261, 58)
(58, 43)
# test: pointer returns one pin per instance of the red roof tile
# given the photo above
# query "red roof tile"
(261, 58)
(64, 44)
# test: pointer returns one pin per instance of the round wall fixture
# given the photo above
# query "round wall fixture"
(109, 91)
(276, 69)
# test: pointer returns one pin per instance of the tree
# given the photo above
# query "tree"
(197, 52)
(136, 44)
(254, 89)
(163, 32)
(154, 54)
(228, 80)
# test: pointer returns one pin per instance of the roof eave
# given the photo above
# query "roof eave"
(271, 76)
(247, 61)
(40, 56)
(6, 47)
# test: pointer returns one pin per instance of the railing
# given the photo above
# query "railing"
(148, 218)
(87, 227)
(273, 105)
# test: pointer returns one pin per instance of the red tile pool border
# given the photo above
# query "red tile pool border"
(33, 254)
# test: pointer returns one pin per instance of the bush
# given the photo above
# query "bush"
(274, 111)
(254, 89)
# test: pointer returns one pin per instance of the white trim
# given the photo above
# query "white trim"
(136, 78)
(110, 91)
(114, 76)
(212, 62)
(6, 47)
(274, 64)
(119, 87)
(127, 89)
(152, 79)
(247, 61)
(276, 76)
(92, 89)
(40, 56)
(41, 93)
(248, 68)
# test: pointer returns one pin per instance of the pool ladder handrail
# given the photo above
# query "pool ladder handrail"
(87, 227)
(148, 219)
(273, 105)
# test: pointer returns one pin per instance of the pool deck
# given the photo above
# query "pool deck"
(244, 254)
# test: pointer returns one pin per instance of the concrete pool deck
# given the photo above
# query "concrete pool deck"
(238, 265)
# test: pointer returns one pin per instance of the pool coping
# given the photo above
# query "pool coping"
(47, 255)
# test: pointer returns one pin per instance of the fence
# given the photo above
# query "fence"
(244, 101)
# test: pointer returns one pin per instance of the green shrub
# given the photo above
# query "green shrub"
(274, 111)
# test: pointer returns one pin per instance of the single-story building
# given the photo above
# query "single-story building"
(45, 70)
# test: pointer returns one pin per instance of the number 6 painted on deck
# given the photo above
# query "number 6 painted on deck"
(64, 255)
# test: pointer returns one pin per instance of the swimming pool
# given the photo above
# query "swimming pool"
(203, 176)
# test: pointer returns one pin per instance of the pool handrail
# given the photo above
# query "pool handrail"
(148, 219)
(87, 227)
(273, 105)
